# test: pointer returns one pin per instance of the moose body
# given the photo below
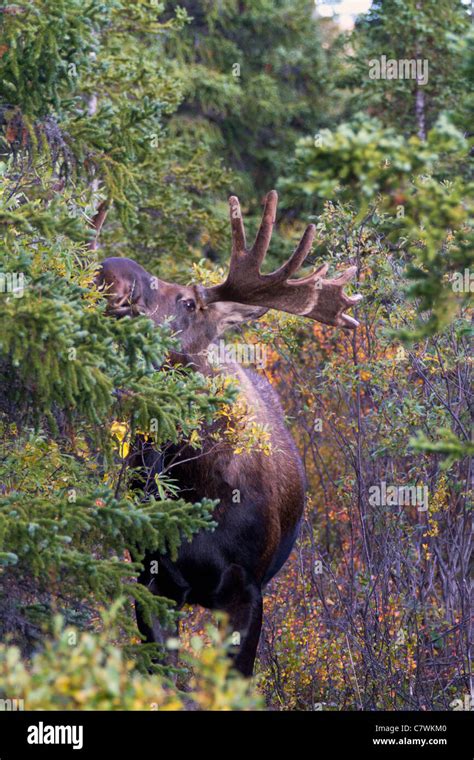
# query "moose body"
(261, 500)
(261, 496)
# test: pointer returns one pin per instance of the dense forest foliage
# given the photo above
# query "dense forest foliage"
(156, 112)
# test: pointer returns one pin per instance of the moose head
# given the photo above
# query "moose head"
(200, 314)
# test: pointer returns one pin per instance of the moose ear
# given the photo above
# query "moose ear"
(127, 286)
(227, 314)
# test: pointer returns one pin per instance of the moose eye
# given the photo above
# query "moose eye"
(189, 304)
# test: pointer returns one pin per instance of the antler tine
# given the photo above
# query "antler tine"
(237, 226)
(96, 223)
(346, 276)
(264, 234)
(298, 257)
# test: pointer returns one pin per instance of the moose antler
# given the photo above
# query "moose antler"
(96, 223)
(314, 296)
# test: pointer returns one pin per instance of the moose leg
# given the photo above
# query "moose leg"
(156, 633)
(246, 619)
(169, 583)
(241, 598)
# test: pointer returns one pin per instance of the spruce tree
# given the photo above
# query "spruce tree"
(85, 96)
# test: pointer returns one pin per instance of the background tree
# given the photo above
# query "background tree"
(430, 32)
(257, 78)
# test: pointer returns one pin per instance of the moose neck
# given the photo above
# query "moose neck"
(198, 361)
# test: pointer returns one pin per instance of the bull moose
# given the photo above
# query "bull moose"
(227, 569)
